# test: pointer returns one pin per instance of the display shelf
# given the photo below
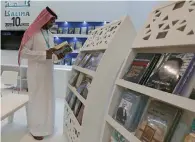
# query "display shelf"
(127, 135)
(71, 35)
(173, 99)
(73, 89)
(85, 71)
(72, 113)
(93, 48)
(151, 40)
(108, 39)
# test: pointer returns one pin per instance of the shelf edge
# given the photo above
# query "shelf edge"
(84, 70)
(172, 99)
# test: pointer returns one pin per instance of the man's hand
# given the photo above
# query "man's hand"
(49, 53)
(60, 56)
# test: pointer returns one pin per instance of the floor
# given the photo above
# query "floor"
(17, 131)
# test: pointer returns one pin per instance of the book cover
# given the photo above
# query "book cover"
(71, 31)
(157, 122)
(77, 30)
(73, 78)
(85, 91)
(94, 61)
(129, 109)
(72, 44)
(77, 107)
(78, 45)
(84, 30)
(79, 58)
(54, 29)
(69, 96)
(140, 65)
(117, 137)
(85, 60)
(72, 101)
(80, 79)
(60, 30)
(65, 30)
(170, 70)
(182, 85)
(80, 114)
(62, 48)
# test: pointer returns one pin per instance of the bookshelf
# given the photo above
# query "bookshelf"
(107, 39)
(174, 41)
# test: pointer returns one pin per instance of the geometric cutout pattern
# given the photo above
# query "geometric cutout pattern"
(102, 35)
(190, 10)
(183, 21)
(147, 37)
(179, 5)
(166, 18)
(157, 15)
(160, 25)
(174, 22)
(167, 27)
(161, 35)
(182, 28)
(148, 26)
(178, 23)
(191, 32)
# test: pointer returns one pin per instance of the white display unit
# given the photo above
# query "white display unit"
(115, 40)
(179, 38)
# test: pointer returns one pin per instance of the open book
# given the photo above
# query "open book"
(63, 48)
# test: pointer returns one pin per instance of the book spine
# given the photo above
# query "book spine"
(150, 69)
(185, 77)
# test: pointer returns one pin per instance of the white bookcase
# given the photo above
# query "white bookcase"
(115, 40)
(179, 37)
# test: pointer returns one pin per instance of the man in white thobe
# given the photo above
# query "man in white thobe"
(35, 47)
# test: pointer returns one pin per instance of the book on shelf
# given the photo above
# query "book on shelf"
(71, 30)
(159, 122)
(72, 44)
(80, 79)
(60, 30)
(85, 60)
(182, 85)
(77, 30)
(84, 30)
(168, 71)
(90, 29)
(117, 137)
(77, 107)
(72, 101)
(65, 30)
(69, 96)
(80, 114)
(130, 109)
(141, 67)
(73, 78)
(54, 29)
(79, 58)
(94, 61)
(78, 45)
(84, 87)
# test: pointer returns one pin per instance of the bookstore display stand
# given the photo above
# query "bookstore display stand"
(169, 29)
(113, 40)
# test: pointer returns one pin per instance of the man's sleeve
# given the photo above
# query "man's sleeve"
(30, 54)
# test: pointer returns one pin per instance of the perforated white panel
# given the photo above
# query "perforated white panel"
(102, 35)
(173, 24)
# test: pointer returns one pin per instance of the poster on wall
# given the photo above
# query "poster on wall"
(16, 14)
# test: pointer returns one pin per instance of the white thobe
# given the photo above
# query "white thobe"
(41, 107)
